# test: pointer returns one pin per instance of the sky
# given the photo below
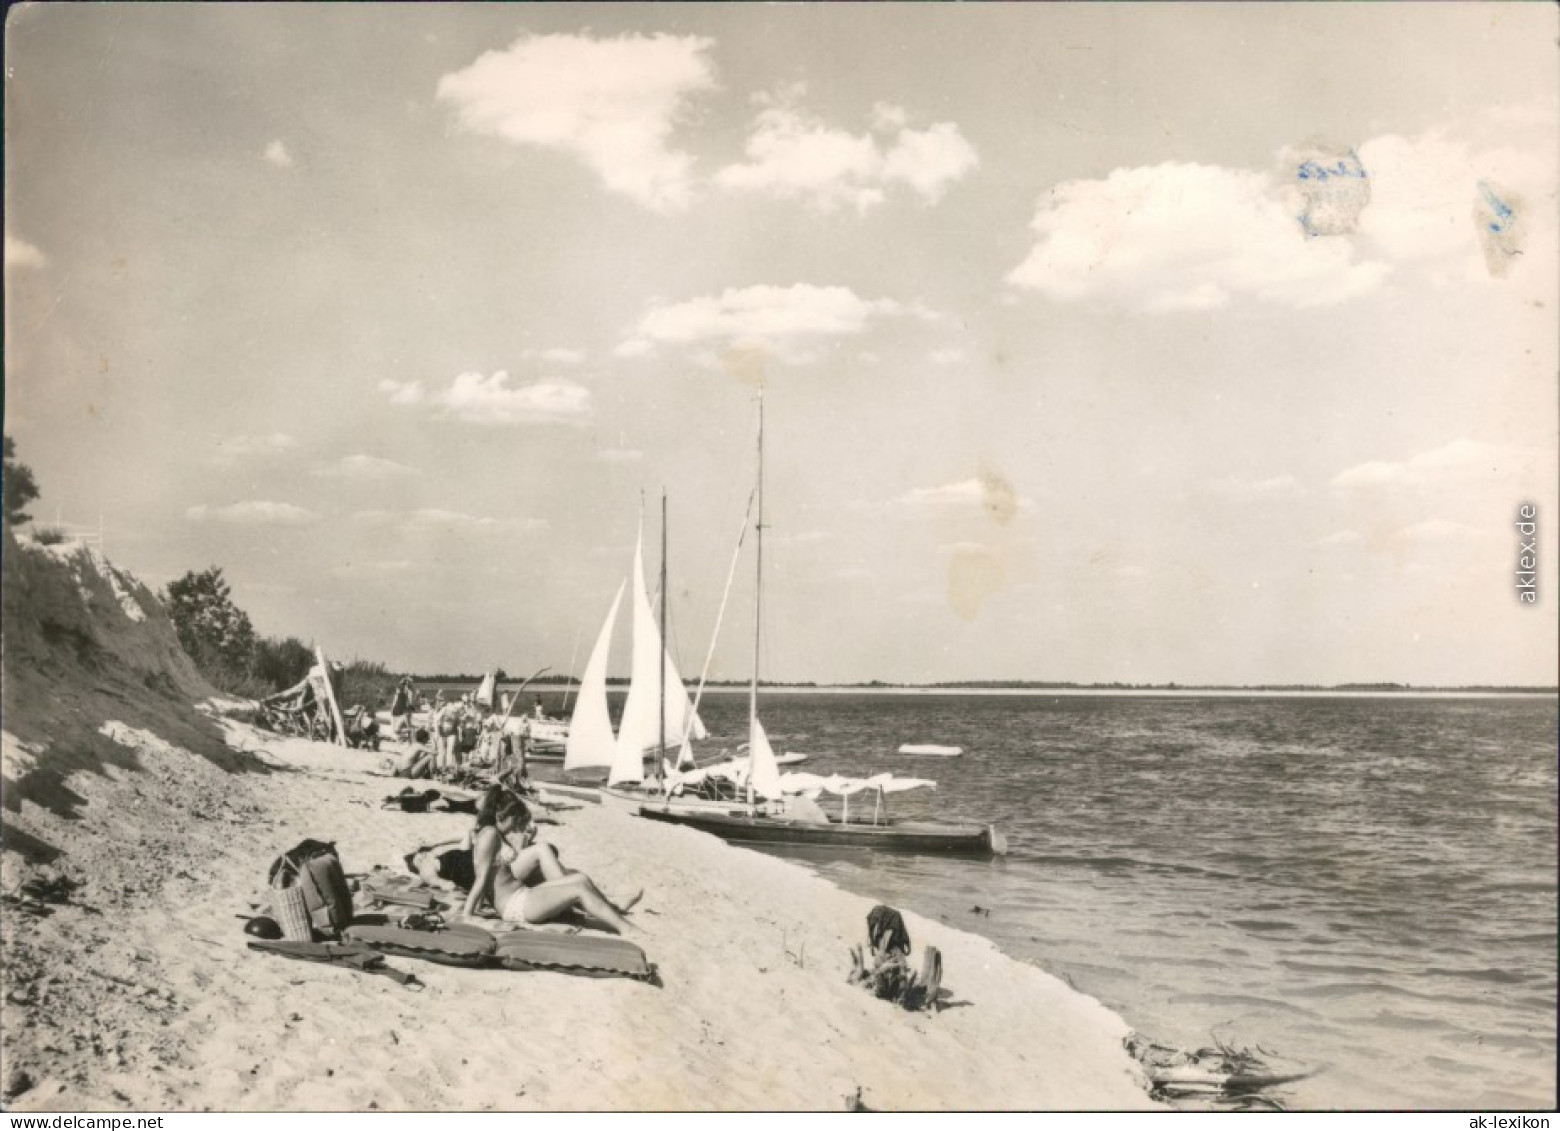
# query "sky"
(1195, 343)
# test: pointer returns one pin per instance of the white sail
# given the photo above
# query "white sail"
(763, 774)
(639, 729)
(485, 690)
(590, 727)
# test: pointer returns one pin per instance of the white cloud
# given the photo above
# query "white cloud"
(1185, 237)
(276, 153)
(634, 347)
(403, 392)
(272, 444)
(474, 399)
(1430, 194)
(1472, 200)
(429, 520)
(929, 160)
(1458, 462)
(253, 513)
(374, 517)
(611, 102)
(369, 468)
(1274, 487)
(987, 493)
(19, 254)
(768, 316)
(790, 155)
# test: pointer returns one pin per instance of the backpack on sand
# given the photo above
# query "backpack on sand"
(884, 969)
(314, 868)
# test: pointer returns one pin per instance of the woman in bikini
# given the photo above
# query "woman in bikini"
(525, 880)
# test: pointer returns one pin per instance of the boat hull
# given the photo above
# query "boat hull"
(899, 836)
(634, 801)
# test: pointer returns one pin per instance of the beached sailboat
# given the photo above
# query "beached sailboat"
(805, 823)
(598, 764)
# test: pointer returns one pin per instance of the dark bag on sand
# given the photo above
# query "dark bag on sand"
(355, 955)
(410, 800)
(886, 931)
(314, 868)
(885, 969)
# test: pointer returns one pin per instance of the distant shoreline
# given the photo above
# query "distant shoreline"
(989, 690)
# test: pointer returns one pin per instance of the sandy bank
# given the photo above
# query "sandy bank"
(162, 1006)
(148, 825)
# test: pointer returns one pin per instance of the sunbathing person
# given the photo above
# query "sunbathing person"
(524, 879)
(417, 763)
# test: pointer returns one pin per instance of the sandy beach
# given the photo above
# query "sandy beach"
(137, 990)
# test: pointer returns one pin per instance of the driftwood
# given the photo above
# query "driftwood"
(1222, 1075)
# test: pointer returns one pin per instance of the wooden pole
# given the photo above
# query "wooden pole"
(330, 697)
(509, 710)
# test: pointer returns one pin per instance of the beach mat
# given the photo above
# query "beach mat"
(467, 947)
(591, 955)
(466, 944)
(355, 955)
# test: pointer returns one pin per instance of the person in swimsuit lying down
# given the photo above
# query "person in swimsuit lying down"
(524, 878)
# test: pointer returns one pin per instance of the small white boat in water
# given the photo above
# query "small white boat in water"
(938, 751)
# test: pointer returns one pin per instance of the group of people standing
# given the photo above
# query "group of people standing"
(459, 733)
(465, 732)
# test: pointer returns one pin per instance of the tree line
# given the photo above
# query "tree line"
(214, 632)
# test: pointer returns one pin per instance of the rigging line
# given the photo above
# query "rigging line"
(720, 616)
(573, 674)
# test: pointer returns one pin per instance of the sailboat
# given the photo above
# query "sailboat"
(599, 765)
(769, 818)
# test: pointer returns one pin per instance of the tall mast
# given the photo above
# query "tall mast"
(661, 754)
(758, 594)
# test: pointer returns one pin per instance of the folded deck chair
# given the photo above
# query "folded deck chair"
(467, 947)
(382, 889)
(355, 955)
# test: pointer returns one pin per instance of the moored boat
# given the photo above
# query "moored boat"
(888, 835)
(795, 818)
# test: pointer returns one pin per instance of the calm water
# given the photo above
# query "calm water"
(1366, 884)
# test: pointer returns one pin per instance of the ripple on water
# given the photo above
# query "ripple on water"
(1370, 879)
(1264, 926)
